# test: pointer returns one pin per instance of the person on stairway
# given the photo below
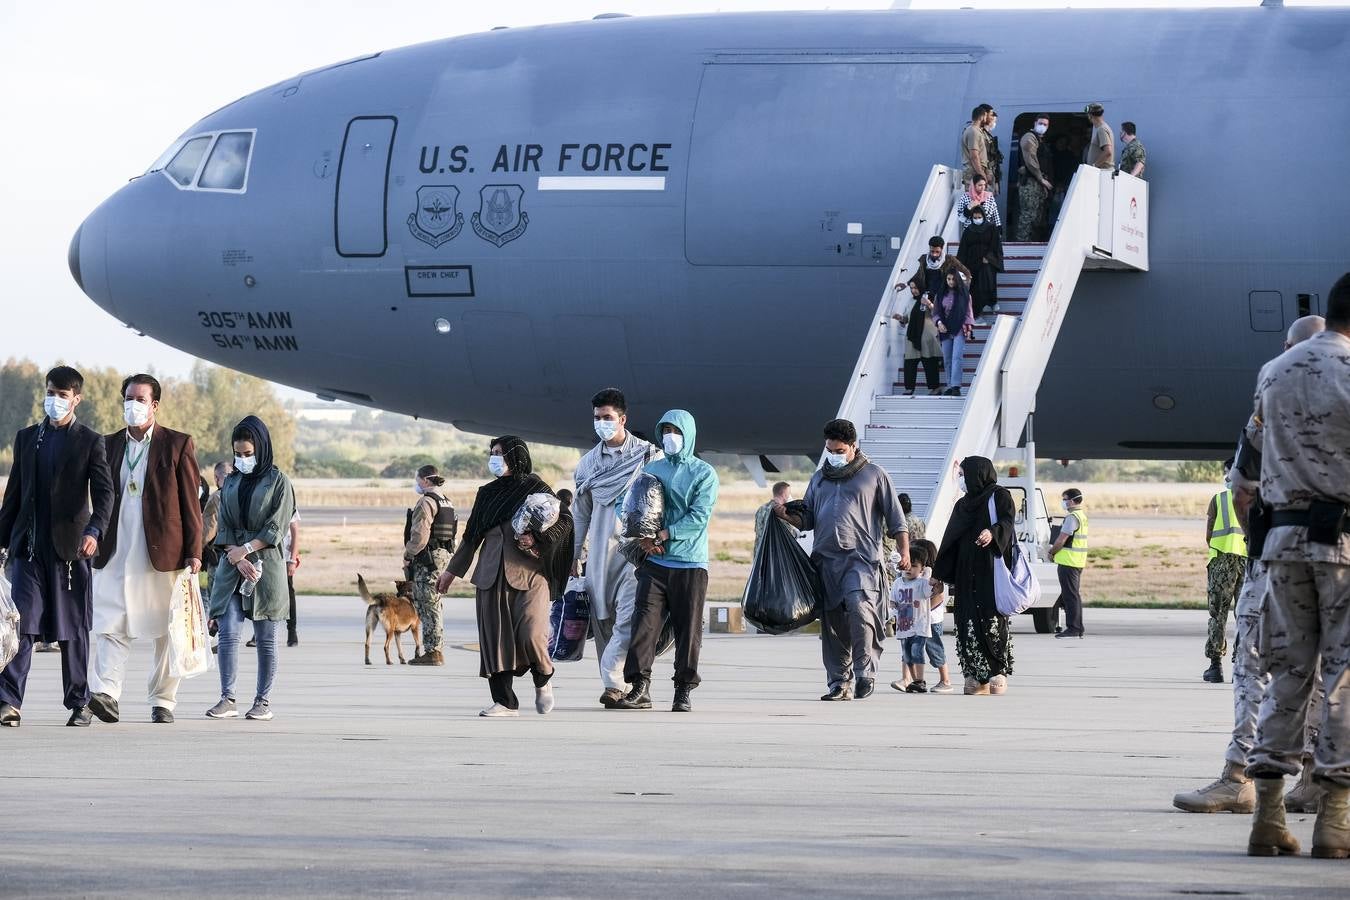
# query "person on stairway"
(955, 325)
(978, 196)
(922, 344)
(1132, 158)
(981, 252)
(934, 267)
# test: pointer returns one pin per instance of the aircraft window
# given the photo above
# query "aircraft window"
(186, 162)
(227, 168)
(159, 164)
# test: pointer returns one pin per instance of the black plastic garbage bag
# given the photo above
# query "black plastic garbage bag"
(784, 592)
(643, 509)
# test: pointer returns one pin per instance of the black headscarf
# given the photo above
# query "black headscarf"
(970, 516)
(956, 319)
(498, 500)
(917, 315)
(252, 429)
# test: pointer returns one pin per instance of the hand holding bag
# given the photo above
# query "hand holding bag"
(1015, 589)
(189, 644)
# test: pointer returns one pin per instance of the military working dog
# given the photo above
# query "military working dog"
(395, 612)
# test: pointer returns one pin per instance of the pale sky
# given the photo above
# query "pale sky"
(93, 92)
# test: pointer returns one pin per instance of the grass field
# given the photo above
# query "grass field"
(1134, 562)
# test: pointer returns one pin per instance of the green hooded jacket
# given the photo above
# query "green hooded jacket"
(691, 492)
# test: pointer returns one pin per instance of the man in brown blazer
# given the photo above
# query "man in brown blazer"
(154, 533)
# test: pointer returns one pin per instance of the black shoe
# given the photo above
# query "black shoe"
(917, 687)
(639, 697)
(954, 392)
(104, 707)
(292, 639)
(161, 716)
(1214, 674)
(1069, 634)
(681, 703)
(80, 718)
(9, 716)
(863, 689)
(611, 697)
(843, 692)
(252, 642)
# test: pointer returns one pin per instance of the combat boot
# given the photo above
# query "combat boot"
(639, 697)
(1331, 834)
(1214, 674)
(1270, 836)
(1307, 794)
(1232, 792)
(430, 658)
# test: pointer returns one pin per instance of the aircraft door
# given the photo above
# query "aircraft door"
(361, 201)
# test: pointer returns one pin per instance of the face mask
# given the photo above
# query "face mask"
(497, 466)
(417, 488)
(672, 443)
(606, 429)
(977, 221)
(56, 408)
(961, 484)
(1041, 129)
(136, 413)
(1065, 504)
(838, 460)
(245, 465)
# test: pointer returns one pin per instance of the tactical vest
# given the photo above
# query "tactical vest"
(1074, 552)
(1227, 536)
(444, 526)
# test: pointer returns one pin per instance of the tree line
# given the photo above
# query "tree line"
(207, 405)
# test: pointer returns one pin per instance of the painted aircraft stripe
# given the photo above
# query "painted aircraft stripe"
(602, 182)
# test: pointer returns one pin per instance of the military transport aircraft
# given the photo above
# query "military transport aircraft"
(486, 229)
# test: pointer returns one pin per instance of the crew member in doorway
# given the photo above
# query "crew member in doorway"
(851, 505)
(1227, 559)
(1132, 157)
(1033, 187)
(992, 154)
(1070, 555)
(975, 146)
(51, 533)
(155, 530)
(428, 542)
(1101, 149)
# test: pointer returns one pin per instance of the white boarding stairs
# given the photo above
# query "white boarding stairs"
(920, 440)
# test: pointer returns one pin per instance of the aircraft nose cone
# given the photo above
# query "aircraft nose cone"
(73, 257)
(88, 262)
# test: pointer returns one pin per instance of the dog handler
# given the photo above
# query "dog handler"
(428, 541)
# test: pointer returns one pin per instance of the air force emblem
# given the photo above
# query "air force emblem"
(436, 219)
(499, 219)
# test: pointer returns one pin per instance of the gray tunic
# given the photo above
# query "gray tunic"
(849, 518)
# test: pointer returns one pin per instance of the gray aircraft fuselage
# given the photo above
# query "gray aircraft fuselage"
(455, 181)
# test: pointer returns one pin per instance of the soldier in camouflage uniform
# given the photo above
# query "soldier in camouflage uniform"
(1233, 791)
(1227, 561)
(1132, 158)
(1033, 187)
(429, 542)
(1301, 427)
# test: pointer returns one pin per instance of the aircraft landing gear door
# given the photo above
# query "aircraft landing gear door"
(360, 206)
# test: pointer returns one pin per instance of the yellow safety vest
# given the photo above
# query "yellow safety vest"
(1227, 536)
(1074, 553)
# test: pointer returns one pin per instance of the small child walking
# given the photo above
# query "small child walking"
(918, 603)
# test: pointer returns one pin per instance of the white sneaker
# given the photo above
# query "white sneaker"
(543, 700)
(900, 684)
(497, 711)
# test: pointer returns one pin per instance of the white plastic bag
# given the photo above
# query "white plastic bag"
(9, 622)
(1015, 590)
(189, 644)
(911, 601)
(537, 513)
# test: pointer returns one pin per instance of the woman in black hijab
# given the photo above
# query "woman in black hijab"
(966, 561)
(981, 252)
(516, 578)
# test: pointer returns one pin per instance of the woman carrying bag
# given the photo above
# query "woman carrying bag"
(922, 343)
(256, 506)
(971, 543)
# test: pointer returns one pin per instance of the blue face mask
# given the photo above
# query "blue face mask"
(56, 408)
(606, 429)
(838, 460)
(497, 466)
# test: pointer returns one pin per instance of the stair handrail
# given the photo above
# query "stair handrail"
(882, 350)
(977, 433)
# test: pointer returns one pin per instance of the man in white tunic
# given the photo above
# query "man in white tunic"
(155, 532)
(602, 476)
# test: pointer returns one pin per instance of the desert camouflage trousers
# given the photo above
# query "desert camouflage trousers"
(1250, 678)
(1031, 200)
(1225, 582)
(1307, 615)
(427, 601)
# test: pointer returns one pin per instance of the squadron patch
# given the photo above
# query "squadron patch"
(436, 219)
(500, 219)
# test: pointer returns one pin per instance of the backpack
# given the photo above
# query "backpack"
(1015, 588)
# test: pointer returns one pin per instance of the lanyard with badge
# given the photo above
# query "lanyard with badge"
(133, 488)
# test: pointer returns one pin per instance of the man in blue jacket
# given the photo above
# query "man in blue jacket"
(674, 576)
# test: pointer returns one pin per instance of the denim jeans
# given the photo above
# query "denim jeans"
(953, 357)
(231, 631)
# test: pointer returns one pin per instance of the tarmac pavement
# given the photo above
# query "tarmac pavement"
(382, 780)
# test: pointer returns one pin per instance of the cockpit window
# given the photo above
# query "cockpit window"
(186, 162)
(227, 167)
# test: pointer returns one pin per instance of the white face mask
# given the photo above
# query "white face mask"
(497, 466)
(245, 465)
(1041, 129)
(838, 460)
(961, 484)
(672, 443)
(135, 413)
(977, 221)
(56, 408)
(606, 429)
(1065, 504)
